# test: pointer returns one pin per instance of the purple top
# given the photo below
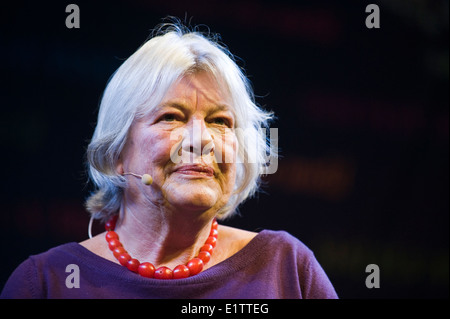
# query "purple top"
(272, 265)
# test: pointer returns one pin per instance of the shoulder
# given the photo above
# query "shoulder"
(27, 279)
(57, 255)
(285, 242)
(283, 245)
(53, 256)
(293, 257)
(280, 240)
(263, 247)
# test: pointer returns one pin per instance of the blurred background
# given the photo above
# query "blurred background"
(363, 126)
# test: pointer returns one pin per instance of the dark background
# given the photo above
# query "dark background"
(362, 121)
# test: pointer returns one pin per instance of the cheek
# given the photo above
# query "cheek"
(230, 177)
(225, 149)
(226, 156)
(153, 149)
(160, 146)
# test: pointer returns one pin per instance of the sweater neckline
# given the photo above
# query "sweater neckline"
(224, 269)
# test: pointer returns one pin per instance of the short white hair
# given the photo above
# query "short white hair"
(140, 84)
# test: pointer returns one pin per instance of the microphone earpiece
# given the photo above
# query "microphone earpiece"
(146, 179)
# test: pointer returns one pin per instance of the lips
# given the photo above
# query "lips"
(195, 170)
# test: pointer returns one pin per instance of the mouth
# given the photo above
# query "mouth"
(195, 170)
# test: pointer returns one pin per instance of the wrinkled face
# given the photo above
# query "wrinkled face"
(185, 144)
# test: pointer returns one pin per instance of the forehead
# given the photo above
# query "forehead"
(199, 89)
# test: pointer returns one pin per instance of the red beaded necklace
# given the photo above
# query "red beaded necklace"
(146, 269)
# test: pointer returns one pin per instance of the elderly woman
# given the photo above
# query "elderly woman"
(169, 157)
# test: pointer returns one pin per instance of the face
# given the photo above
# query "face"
(185, 144)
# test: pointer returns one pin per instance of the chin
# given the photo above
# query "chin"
(192, 197)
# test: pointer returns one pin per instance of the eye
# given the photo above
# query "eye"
(169, 117)
(222, 121)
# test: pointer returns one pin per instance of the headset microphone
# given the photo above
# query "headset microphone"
(146, 178)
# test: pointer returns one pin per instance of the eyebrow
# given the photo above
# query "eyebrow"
(182, 107)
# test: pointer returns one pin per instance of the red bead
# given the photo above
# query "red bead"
(111, 235)
(215, 224)
(133, 265)
(205, 256)
(163, 273)
(195, 266)
(180, 271)
(146, 270)
(208, 248)
(124, 258)
(212, 241)
(111, 224)
(114, 243)
(118, 251)
(214, 233)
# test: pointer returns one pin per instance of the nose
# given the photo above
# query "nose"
(197, 138)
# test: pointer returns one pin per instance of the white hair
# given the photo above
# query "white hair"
(140, 84)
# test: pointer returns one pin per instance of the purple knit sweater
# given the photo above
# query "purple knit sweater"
(273, 265)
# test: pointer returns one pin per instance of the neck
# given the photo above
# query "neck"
(164, 237)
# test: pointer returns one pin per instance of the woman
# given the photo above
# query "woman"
(170, 155)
